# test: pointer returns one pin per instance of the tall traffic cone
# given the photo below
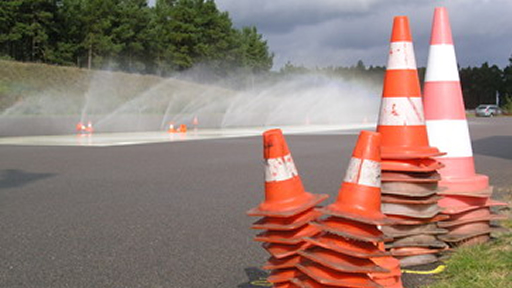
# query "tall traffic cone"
(287, 211)
(445, 113)
(345, 253)
(401, 120)
(448, 129)
(409, 173)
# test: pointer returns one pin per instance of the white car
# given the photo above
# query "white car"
(487, 110)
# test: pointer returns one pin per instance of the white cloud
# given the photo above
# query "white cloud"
(340, 32)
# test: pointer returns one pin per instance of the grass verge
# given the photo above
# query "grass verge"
(481, 266)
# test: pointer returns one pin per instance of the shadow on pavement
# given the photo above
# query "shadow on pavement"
(13, 178)
(257, 278)
(496, 146)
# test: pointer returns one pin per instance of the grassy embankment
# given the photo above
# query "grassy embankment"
(38, 89)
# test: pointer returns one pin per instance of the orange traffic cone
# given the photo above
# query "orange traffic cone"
(171, 128)
(343, 254)
(287, 211)
(445, 113)
(359, 197)
(284, 193)
(182, 128)
(401, 120)
(89, 128)
(80, 127)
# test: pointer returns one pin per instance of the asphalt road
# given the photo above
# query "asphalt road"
(165, 215)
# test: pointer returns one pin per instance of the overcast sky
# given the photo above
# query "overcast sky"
(340, 32)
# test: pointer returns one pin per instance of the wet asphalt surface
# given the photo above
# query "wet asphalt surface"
(167, 215)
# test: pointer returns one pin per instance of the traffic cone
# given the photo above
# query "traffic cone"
(89, 129)
(409, 173)
(182, 128)
(359, 197)
(445, 113)
(287, 211)
(343, 254)
(171, 128)
(465, 191)
(284, 193)
(401, 119)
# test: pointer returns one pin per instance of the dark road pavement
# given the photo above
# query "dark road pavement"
(165, 215)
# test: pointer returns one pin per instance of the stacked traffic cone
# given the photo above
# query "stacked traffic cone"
(287, 210)
(467, 195)
(347, 252)
(409, 173)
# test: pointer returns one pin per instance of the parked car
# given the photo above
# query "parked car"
(487, 110)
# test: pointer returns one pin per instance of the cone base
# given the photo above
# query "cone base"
(485, 193)
(400, 231)
(401, 152)
(341, 262)
(411, 165)
(359, 249)
(278, 210)
(371, 217)
(409, 261)
(470, 184)
(489, 218)
(406, 220)
(415, 211)
(457, 238)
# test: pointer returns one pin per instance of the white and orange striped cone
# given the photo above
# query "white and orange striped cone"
(445, 113)
(401, 119)
(448, 129)
(345, 254)
(359, 197)
(287, 211)
(409, 173)
(284, 193)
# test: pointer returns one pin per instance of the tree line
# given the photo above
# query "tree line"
(128, 35)
(486, 84)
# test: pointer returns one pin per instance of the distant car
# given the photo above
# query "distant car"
(487, 110)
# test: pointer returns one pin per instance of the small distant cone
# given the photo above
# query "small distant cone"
(284, 193)
(445, 112)
(89, 128)
(359, 197)
(80, 127)
(171, 128)
(182, 128)
(401, 119)
(195, 122)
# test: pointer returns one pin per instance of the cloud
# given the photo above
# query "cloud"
(341, 32)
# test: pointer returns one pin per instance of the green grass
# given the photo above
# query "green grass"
(487, 265)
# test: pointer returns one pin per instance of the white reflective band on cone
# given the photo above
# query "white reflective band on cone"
(401, 111)
(280, 169)
(364, 172)
(442, 64)
(450, 136)
(401, 56)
